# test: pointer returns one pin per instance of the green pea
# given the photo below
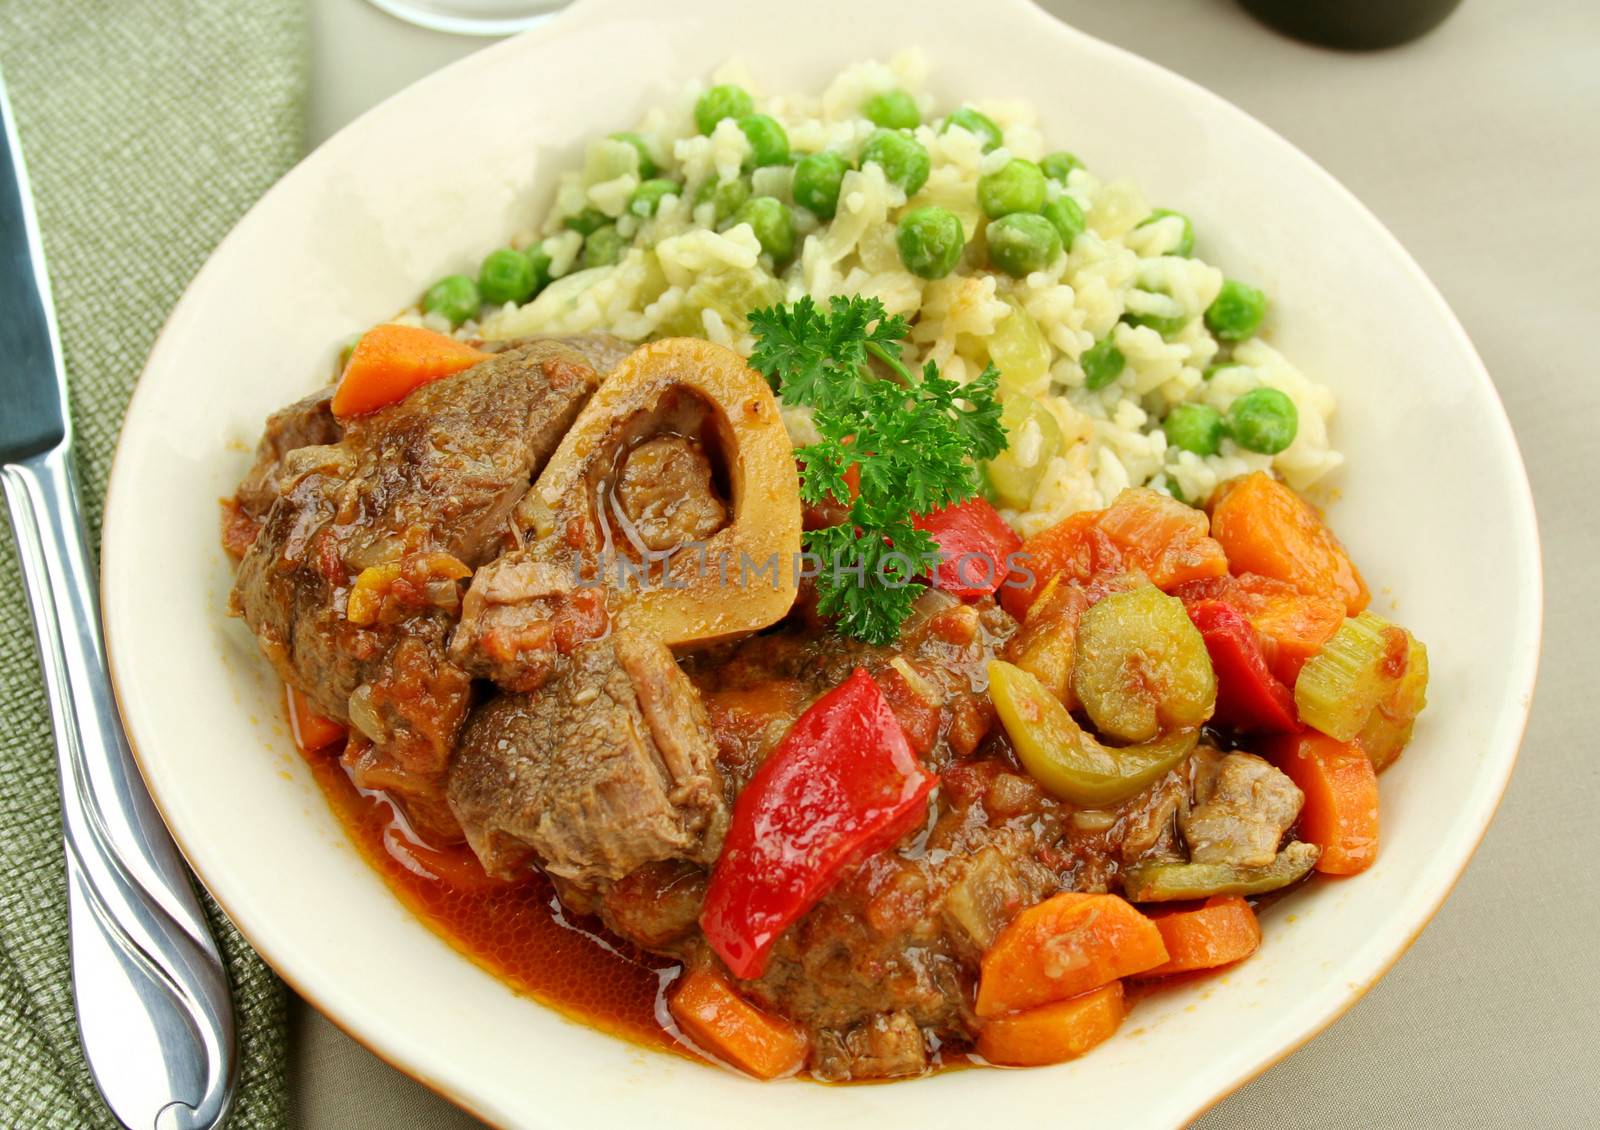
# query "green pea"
(1237, 311)
(1194, 427)
(902, 157)
(817, 177)
(1057, 166)
(1185, 246)
(646, 199)
(930, 241)
(774, 226)
(1264, 420)
(1064, 213)
(979, 125)
(1022, 242)
(603, 247)
(539, 259)
(647, 164)
(769, 145)
(587, 221)
(726, 196)
(1174, 489)
(454, 297)
(893, 109)
(1102, 363)
(725, 101)
(506, 276)
(1016, 186)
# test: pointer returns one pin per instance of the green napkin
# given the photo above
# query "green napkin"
(148, 126)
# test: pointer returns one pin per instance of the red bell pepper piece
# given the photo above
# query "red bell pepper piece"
(841, 785)
(975, 547)
(1249, 696)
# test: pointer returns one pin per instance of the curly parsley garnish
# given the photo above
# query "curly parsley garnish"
(915, 440)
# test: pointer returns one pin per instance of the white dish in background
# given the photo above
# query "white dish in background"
(1434, 505)
(472, 17)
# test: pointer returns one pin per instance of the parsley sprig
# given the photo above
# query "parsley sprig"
(915, 440)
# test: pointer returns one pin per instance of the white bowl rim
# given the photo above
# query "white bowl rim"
(1527, 604)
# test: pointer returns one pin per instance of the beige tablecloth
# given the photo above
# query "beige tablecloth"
(1480, 148)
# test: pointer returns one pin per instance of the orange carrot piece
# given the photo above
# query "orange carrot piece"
(1072, 548)
(1162, 538)
(1264, 527)
(311, 731)
(1067, 945)
(1142, 529)
(1053, 1033)
(1293, 627)
(390, 362)
(734, 1030)
(1341, 809)
(1221, 931)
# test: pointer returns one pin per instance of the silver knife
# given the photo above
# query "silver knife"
(151, 992)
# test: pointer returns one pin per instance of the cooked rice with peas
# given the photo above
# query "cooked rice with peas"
(682, 256)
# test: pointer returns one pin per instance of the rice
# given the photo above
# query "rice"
(1072, 448)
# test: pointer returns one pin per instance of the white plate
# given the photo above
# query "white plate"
(1435, 507)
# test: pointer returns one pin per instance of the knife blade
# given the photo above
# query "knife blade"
(154, 1013)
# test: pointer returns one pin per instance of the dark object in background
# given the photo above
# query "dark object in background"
(1353, 25)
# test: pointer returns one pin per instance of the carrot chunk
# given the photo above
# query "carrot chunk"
(734, 1030)
(1067, 945)
(1141, 530)
(1265, 528)
(1220, 932)
(1072, 548)
(1053, 1033)
(311, 731)
(1341, 809)
(390, 362)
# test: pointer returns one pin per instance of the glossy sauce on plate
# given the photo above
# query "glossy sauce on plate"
(518, 931)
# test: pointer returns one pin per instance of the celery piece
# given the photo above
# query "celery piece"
(1021, 352)
(1165, 882)
(1069, 763)
(1033, 438)
(1342, 684)
(1388, 730)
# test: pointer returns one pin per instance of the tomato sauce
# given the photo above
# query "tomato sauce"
(518, 931)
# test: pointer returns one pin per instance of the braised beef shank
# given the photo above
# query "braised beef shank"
(423, 489)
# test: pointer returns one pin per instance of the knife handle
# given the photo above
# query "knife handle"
(154, 1012)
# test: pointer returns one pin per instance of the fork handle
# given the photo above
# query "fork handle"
(154, 1012)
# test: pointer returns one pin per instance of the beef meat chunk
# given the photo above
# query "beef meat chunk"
(656, 906)
(608, 767)
(305, 423)
(1242, 807)
(351, 586)
(601, 350)
(1148, 828)
(524, 612)
(886, 1046)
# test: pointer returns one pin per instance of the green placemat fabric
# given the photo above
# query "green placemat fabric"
(148, 126)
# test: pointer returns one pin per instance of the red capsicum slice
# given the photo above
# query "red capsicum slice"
(975, 544)
(842, 784)
(1249, 696)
